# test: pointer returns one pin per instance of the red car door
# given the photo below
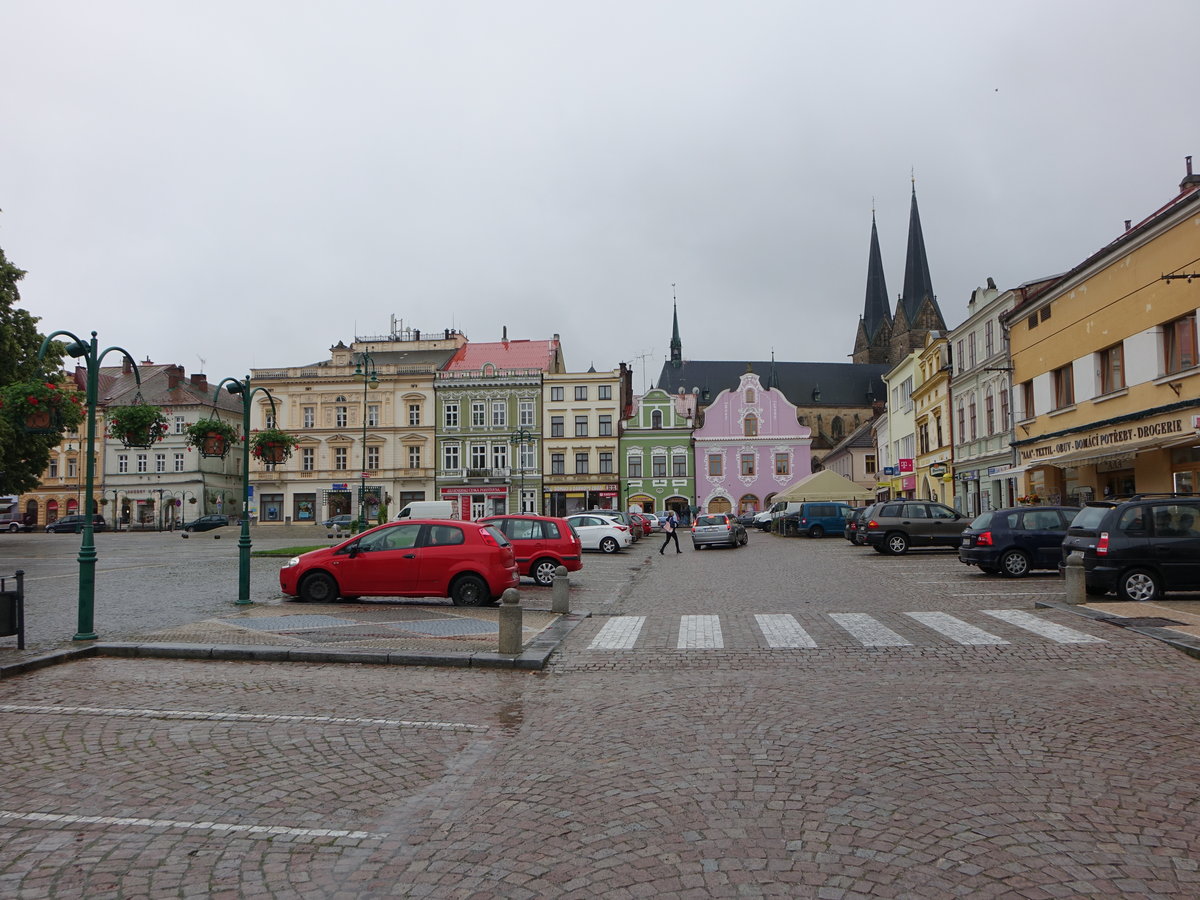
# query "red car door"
(383, 563)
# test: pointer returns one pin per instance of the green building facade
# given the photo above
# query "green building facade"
(657, 472)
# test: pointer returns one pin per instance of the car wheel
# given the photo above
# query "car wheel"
(469, 590)
(13, 528)
(1139, 586)
(816, 531)
(318, 587)
(609, 545)
(543, 571)
(1014, 564)
(897, 543)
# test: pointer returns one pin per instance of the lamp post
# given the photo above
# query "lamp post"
(87, 548)
(364, 369)
(519, 439)
(247, 393)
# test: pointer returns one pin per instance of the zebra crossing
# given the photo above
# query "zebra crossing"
(782, 631)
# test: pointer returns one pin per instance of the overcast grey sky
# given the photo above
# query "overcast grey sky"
(250, 182)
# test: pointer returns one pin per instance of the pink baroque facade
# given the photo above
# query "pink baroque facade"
(749, 448)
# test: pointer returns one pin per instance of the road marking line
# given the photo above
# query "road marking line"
(200, 716)
(784, 632)
(1030, 622)
(700, 633)
(867, 631)
(618, 633)
(271, 830)
(956, 629)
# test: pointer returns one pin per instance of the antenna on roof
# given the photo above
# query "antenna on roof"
(202, 362)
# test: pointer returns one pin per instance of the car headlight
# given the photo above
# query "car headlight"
(294, 561)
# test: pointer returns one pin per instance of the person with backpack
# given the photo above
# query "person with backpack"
(670, 532)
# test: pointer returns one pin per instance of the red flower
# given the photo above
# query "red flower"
(33, 400)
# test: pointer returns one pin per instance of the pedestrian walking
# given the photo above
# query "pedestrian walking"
(670, 532)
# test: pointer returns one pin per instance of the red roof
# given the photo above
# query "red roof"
(504, 355)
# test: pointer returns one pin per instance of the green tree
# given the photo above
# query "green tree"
(23, 457)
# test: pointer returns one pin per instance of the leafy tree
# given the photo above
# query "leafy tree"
(23, 457)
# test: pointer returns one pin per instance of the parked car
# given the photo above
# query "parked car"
(626, 519)
(762, 521)
(470, 562)
(853, 530)
(1016, 540)
(712, 529)
(599, 532)
(649, 523)
(541, 544)
(817, 519)
(15, 522)
(1141, 548)
(74, 524)
(206, 523)
(897, 525)
(342, 521)
(746, 520)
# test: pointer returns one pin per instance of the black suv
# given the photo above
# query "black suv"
(896, 525)
(1016, 540)
(74, 524)
(1139, 548)
(206, 523)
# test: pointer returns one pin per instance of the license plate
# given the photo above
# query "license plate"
(966, 542)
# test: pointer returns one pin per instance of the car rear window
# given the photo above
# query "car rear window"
(498, 535)
(981, 522)
(1089, 518)
(710, 520)
(550, 531)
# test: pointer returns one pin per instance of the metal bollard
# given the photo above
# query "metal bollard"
(510, 621)
(560, 601)
(1075, 581)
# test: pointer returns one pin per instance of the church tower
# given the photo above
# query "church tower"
(676, 344)
(873, 343)
(917, 312)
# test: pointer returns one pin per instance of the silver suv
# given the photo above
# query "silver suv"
(896, 525)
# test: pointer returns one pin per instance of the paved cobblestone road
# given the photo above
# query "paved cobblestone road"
(1033, 762)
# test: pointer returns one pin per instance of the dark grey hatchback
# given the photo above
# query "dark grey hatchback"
(1017, 540)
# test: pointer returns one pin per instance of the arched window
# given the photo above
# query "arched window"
(750, 425)
(656, 419)
(837, 430)
(747, 504)
(749, 395)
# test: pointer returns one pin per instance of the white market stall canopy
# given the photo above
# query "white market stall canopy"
(827, 486)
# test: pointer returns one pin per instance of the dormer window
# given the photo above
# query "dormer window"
(749, 395)
(656, 419)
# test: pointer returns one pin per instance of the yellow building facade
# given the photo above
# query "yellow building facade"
(933, 465)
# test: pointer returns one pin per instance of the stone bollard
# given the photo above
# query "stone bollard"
(1076, 584)
(560, 601)
(510, 622)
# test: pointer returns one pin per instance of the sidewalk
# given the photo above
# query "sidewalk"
(366, 633)
(1175, 622)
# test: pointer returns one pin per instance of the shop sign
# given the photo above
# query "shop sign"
(937, 470)
(891, 470)
(343, 486)
(906, 465)
(908, 483)
(1117, 438)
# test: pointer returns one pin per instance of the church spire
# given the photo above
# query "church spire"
(676, 344)
(876, 309)
(918, 286)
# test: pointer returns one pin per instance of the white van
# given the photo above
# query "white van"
(428, 509)
(784, 508)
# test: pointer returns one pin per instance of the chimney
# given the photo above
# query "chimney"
(200, 381)
(504, 334)
(126, 368)
(174, 376)
(1128, 224)
(1190, 181)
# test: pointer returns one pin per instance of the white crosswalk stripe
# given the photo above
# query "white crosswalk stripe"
(868, 631)
(1030, 622)
(956, 629)
(784, 632)
(619, 633)
(700, 633)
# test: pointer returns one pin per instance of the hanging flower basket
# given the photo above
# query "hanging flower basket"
(41, 407)
(212, 437)
(271, 445)
(139, 425)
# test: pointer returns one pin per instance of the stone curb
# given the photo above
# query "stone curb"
(1182, 642)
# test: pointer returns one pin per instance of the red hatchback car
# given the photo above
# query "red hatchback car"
(469, 562)
(542, 544)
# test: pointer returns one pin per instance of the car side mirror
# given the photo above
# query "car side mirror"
(351, 550)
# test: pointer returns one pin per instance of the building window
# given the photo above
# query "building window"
(606, 461)
(499, 414)
(606, 426)
(634, 465)
(581, 392)
(679, 466)
(308, 459)
(837, 428)
(478, 414)
(556, 394)
(1004, 423)
(989, 342)
(372, 459)
(414, 457)
(782, 464)
(450, 415)
(450, 457)
(750, 426)
(1179, 343)
(527, 457)
(52, 472)
(179, 462)
(1111, 363)
(122, 462)
(962, 422)
(748, 464)
(869, 465)
(937, 430)
(479, 456)
(989, 412)
(557, 427)
(373, 415)
(605, 391)
(581, 464)
(558, 464)
(180, 424)
(414, 414)
(972, 418)
(962, 357)
(160, 462)
(525, 413)
(339, 458)
(715, 467)
(971, 348)
(142, 462)
(1063, 379)
(923, 437)
(656, 419)
(339, 416)
(581, 429)
(270, 420)
(658, 465)
(749, 395)
(500, 456)
(1027, 408)
(309, 414)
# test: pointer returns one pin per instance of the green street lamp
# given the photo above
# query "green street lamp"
(364, 369)
(242, 388)
(519, 439)
(87, 548)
